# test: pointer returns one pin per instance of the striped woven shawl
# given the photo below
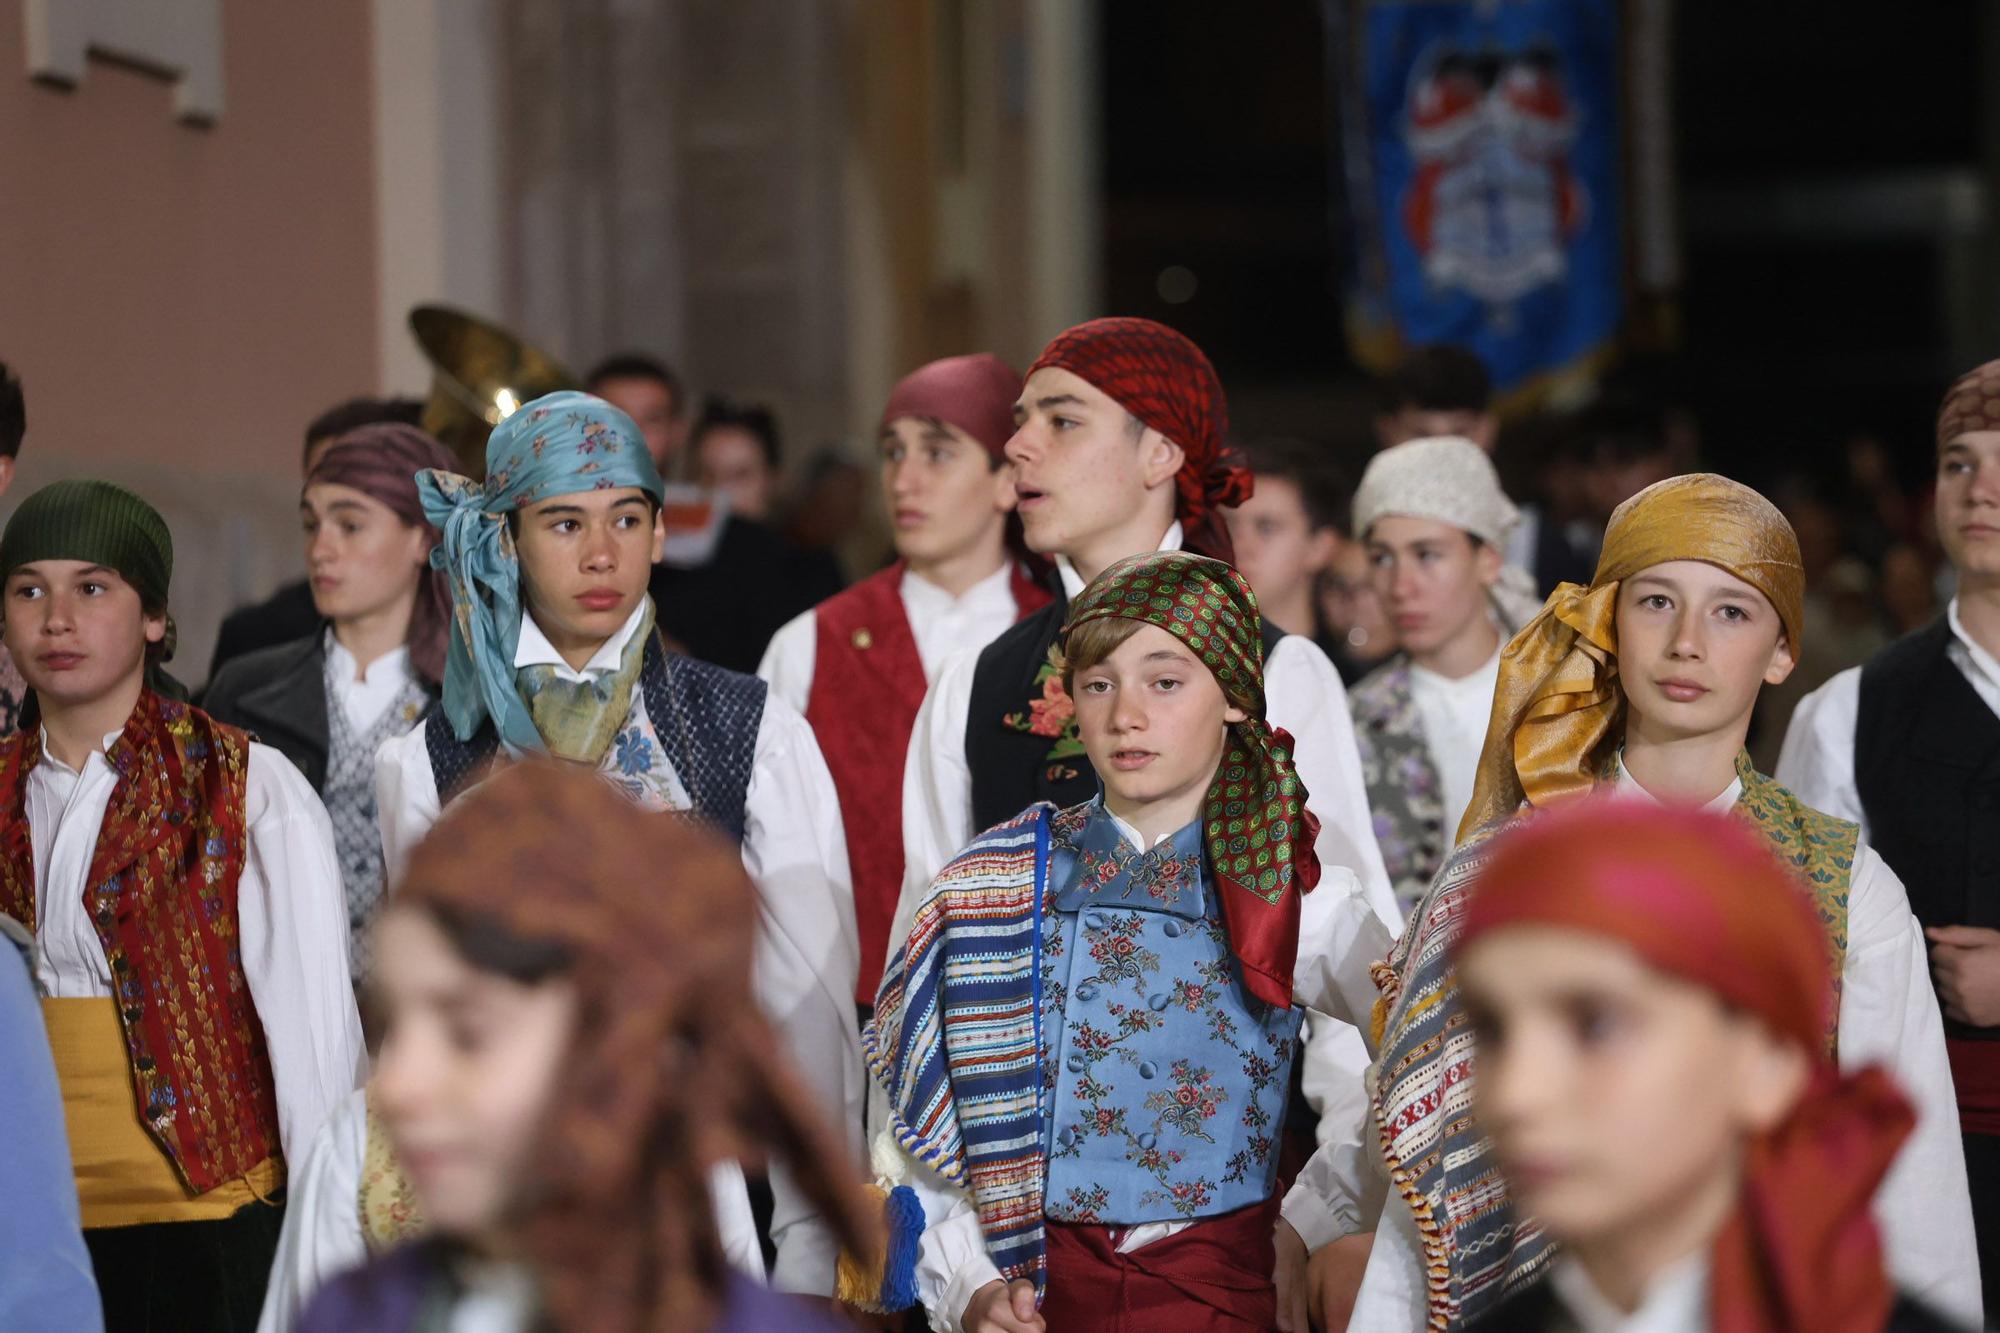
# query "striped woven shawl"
(1477, 1247)
(956, 1038)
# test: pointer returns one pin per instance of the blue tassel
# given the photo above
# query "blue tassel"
(905, 1216)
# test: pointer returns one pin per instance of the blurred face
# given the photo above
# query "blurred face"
(732, 461)
(1432, 579)
(651, 406)
(1619, 1098)
(362, 559)
(1082, 474)
(466, 1071)
(1968, 505)
(77, 631)
(1695, 644)
(1278, 549)
(1421, 423)
(944, 496)
(585, 560)
(1152, 719)
(1354, 613)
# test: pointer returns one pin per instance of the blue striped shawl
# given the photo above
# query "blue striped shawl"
(956, 1039)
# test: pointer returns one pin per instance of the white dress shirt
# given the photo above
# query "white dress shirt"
(1454, 714)
(1340, 937)
(1675, 1301)
(807, 957)
(941, 624)
(1817, 761)
(290, 909)
(322, 1231)
(1889, 1017)
(364, 698)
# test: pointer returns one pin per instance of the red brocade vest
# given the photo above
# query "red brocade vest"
(868, 683)
(161, 893)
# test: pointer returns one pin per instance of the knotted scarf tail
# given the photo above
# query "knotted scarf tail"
(891, 1284)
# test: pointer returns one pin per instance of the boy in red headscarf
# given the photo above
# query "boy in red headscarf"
(858, 663)
(1650, 994)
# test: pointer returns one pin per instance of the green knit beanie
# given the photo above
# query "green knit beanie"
(106, 525)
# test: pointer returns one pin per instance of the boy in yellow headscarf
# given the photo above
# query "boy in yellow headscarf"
(1640, 686)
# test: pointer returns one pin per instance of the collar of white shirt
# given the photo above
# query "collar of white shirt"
(1477, 686)
(1073, 582)
(1133, 838)
(390, 666)
(1675, 1301)
(49, 756)
(1976, 657)
(534, 649)
(922, 597)
(1628, 788)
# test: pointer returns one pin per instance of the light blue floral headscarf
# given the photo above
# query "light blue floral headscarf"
(559, 444)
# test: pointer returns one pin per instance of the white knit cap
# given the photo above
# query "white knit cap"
(1449, 479)
(1446, 478)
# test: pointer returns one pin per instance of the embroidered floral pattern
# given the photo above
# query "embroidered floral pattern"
(1050, 713)
(1404, 791)
(1168, 1080)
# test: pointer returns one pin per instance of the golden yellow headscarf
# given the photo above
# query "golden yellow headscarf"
(1558, 703)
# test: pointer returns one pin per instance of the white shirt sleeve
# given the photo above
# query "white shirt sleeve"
(1304, 695)
(322, 1231)
(406, 800)
(292, 909)
(789, 658)
(1889, 1016)
(1340, 1189)
(1817, 761)
(1394, 1297)
(807, 961)
(735, 1223)
(937, 788)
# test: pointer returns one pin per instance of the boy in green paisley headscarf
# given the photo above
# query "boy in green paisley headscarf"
(1641, 686)
(554, 650)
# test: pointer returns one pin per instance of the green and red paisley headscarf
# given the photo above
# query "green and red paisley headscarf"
(1256, 829)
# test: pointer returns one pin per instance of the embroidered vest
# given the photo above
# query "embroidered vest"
(1405, 795)
(700, 718)
(1165, 1080)
(868, 683)
(348, 791)
(161, 893)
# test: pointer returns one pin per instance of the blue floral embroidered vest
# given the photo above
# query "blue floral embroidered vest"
(1166, 1079)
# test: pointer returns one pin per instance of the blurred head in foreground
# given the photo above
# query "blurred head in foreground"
(1651, 995)
(569, 1046)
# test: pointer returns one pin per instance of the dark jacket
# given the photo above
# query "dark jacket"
(282, 617)
(278, 695)
(1536, 1310)
(725, 612)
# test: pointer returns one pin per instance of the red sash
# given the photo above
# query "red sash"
(162, 895)
(868, 683)
(1214, 1277)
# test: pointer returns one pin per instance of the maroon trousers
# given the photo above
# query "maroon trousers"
(1214, 1277)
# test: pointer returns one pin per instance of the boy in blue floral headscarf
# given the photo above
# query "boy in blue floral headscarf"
(553, 649)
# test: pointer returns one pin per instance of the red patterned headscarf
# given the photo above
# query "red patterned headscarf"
(1972, 403)
(1256, 829)
(1698, 896)
(974, 393)
(1165, 381)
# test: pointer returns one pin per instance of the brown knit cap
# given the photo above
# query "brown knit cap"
(673, 1067)
(1972, 403)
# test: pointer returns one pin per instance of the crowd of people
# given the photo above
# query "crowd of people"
(1180, 889)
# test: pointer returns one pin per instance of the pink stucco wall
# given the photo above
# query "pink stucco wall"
(191, 296)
